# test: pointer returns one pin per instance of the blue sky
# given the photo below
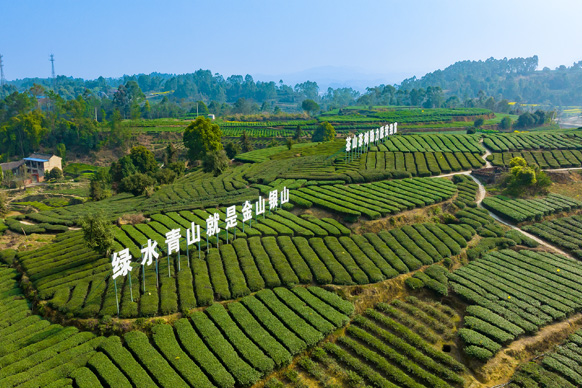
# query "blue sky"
(381, 38)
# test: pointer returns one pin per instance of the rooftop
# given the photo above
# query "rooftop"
(11, 165)
(39, 157)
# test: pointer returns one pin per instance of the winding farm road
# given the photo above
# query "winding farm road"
(481, 192)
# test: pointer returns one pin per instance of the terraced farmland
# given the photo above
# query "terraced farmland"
(374, 200)
(533, 141)
(512, 294)
(560, 368)
(224, 346)
(34, 352)
(544, 159)
(563, 232)
(432, 143)
(520, 210)
(421, 163)
(74, 279)
(392, 345)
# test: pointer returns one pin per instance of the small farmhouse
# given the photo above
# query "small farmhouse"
(36, 165)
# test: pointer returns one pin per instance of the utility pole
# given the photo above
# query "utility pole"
(2, 80)
(53, 73)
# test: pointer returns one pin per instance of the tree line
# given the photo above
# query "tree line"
(515, 79)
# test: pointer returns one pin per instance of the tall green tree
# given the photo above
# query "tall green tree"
(171, 153)
(119, 134)
(136, 183)
(61, 150)
(98, 233)
(143, 160)
(478, 123)
(505, 123)
(122, 168)
(298, 133)
(310, 106)
(324, 132)
(202, 136)
(525, 179)
(231, 149)
(23, 133)
(246, 145)
(215, 162)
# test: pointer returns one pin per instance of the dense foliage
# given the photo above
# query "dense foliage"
(515, 79)
(201, 137)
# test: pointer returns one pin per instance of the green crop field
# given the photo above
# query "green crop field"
(519, 210)
(564, 232)
(533, 141)
(511, 293)
(384, 269)
(544, 159)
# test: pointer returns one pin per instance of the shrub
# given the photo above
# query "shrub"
(414, 283)
(478, 352)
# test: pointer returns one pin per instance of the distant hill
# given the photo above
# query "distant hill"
(514, 79)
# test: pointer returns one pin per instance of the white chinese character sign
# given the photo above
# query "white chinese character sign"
(149, 253)
(173, 244)
(212, 228)
(122, 260)
(273, 200)
(230, 220)
(192, 237)
(121, 263)
(247, 214)
(366, 139)
(284, 196)
(260, 207)
(361, 142)
(348, 147)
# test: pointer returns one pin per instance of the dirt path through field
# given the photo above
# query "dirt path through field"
(481, 193)
(497, 370)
